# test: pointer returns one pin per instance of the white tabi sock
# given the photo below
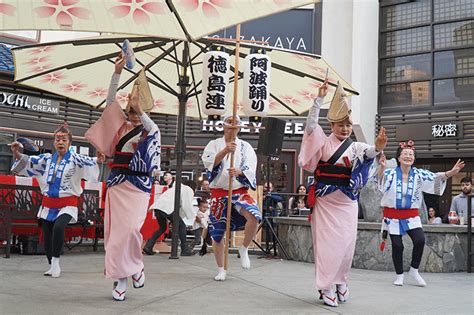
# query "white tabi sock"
(48, 272)
(399, 280)
(55, 269)
(415, 275)
(244, 257)
(118, 293)
(221, 274)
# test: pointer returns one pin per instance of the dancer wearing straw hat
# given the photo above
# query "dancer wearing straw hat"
(341, 169)
(134, 141)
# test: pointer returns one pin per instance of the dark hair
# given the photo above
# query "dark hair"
(466, 180)
(435, 212)
(64, 128)
(190, 183)
(200, 201)
(399, 152)
(301, 185)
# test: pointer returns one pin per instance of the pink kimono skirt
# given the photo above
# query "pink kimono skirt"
(125, 211)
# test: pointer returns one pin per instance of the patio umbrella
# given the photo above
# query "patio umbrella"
(65, 68)
(179, 19)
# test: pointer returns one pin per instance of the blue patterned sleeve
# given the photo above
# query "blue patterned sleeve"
(31, 165)
(87, 167)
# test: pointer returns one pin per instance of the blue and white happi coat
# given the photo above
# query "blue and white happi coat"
(57, 180)
(400, 195)
(146, 149)
(246, 160)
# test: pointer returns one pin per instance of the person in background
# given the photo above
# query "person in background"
(201, 221)
(432, 218)
(272, 202)
(168, 179)
(163, 208)
(301, 197)
(459, 203)
(205, 191)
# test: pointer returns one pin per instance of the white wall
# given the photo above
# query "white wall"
(350, 45)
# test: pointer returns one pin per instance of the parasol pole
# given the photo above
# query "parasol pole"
(234, 114)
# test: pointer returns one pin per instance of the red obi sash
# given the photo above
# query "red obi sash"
(393, 213)
(219, 193)
(50, 202)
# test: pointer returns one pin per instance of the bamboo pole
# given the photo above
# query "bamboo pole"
(234, 115)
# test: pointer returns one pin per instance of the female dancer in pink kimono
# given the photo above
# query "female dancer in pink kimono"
(341, 169)
(135, 145)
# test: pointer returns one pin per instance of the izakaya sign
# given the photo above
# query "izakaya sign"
(32, 103)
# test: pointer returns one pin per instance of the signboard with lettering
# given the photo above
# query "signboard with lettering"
(256, 92)
(436, 130)
(290, 30)
(32, 103)
(291, 128)
(215, 79)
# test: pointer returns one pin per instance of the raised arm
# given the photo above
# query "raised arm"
(114, 81)
(313, 115)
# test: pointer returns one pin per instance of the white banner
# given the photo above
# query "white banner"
(215, 80)
(256, 95)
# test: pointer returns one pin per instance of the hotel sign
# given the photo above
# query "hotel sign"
(31, 103)
(438, 130)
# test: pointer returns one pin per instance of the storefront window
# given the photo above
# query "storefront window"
(454, 62)
(407, 14)
(453, 9)
(406, 68)
(450, 91)
(456, 34)
(406, 41)
(416, 93)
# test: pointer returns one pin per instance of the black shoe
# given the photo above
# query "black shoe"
(188, 252)
(148, 252)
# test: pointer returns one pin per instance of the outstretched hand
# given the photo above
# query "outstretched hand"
(381, 140)
(456, 168)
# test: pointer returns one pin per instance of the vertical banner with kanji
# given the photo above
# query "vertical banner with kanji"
(256, 95)
(215, 79)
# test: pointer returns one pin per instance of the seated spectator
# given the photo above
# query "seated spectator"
(432, 216)
(201, 221)
(294, 201)
(301, 208)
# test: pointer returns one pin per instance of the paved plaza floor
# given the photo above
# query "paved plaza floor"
(186, 286)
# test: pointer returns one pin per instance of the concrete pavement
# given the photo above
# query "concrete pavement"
(186, 286)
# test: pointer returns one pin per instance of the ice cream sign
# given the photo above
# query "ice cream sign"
(32, 103)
